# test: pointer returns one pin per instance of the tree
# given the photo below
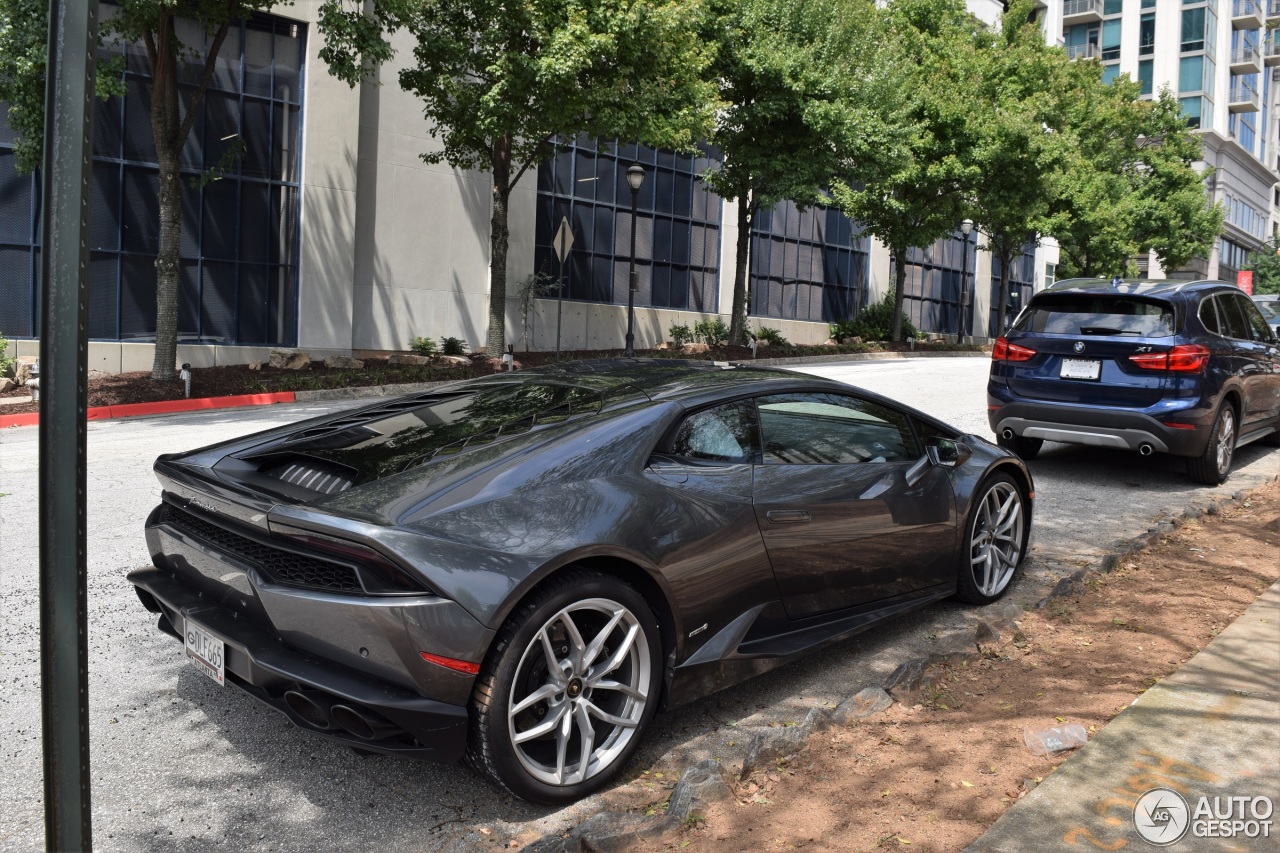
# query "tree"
(501, 81)
(801, 90)
(153, 23)
(922, 194)
(1265, 263)
(1017, 149)
(1129, 185)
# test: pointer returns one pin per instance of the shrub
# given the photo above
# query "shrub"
(5, 360)
(680, 335)
(873, 323)
(711, 332)
(772, 337)
(423, 346)
(453, 346)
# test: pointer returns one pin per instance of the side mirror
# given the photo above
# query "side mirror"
(947, 453)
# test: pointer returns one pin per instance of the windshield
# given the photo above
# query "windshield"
(1098, 315)
(1270, 308)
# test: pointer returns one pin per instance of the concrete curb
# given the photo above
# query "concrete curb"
(860, 356)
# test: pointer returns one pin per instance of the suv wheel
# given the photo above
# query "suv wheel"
(1213, 466)
(1026, 448)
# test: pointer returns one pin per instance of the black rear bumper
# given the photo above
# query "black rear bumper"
(265, 668)
(1099, 427)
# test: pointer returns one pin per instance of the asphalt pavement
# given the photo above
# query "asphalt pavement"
(181, 764)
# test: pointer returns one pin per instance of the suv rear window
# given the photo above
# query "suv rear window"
(1098, 315)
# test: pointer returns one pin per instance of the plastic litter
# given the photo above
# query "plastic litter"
(1056, 739)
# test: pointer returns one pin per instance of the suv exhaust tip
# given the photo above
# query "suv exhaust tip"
(1145, 449)
(1008, 433)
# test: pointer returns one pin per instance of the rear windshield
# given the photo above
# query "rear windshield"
(448, 424)
(1098, 315)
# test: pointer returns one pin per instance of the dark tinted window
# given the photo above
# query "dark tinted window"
(809, 429)
(1209, 316)
(723, 434)
(1257, 326)
(1098, 315)
(1231, 320)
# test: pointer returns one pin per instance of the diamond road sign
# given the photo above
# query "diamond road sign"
(563, 241)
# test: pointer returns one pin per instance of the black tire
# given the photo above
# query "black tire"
(1214, 465)
(548, 767)
(995, 540)
(1026, 448)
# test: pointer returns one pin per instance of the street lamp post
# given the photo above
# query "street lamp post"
(966, 296)
(635, 179)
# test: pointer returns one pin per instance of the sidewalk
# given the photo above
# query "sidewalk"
(1209, 732)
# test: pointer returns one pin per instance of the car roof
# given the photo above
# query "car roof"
(1135, 286)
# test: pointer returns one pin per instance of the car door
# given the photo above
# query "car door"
(1255, 359)
(841, 525)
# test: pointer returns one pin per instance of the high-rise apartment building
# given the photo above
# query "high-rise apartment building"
(1223, 63)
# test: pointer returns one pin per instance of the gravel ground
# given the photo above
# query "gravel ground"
(180, 764)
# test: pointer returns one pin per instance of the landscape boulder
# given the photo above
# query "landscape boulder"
(407, 359)
(343, 362)
(290, 359)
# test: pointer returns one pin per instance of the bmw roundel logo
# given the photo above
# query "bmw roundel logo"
(1079, 346)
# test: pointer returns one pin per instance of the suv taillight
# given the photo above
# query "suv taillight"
(1184, 358)
(1005, 351)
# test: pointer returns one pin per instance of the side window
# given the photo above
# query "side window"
(1209, 316)
(832, 429)
(724, 434)
(1257, 326)
(1231, 319)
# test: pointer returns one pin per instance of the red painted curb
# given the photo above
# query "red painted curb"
(100, 413)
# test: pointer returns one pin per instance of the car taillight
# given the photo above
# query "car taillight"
(1005, 351)
(377, 572)
(1184, 358)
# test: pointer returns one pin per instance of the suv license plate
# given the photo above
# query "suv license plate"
(1080, 368)
(206, 652)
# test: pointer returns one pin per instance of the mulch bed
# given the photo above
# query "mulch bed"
(125, 388)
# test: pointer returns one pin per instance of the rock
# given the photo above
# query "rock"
(22, 368)
(7, 385)
(831, 342)
(343, 362)
(454, 360)
(699, 786)
(290, 359)
(694, 348)
(864, 703)
(768, 745)
(255, 365)
(406, 359)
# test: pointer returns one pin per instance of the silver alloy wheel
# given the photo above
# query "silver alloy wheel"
(579, 692)
(996, 541)
(1226, 440)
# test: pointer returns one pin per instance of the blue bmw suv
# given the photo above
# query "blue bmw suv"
(1188, 368)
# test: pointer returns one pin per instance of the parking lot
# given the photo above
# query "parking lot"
(181, 764)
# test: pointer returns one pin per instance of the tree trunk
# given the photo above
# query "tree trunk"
(169, 132)
(1006, 258)
(496, 341)
(899, 288)
(738, 320)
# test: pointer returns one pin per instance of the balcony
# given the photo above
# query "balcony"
(1246, 60)
(1273, 11)
(1083, 51)
(1271, 51)
(1081, 12)
(1243, 99)
(1246, 14)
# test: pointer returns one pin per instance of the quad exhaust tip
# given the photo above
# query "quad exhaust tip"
(311, 706)
(365, 725)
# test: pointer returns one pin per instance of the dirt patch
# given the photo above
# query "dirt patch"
(934, 776)
(232, 380)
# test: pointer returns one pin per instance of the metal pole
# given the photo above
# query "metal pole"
(64, 266)
(966, 312)
(559, 306)
(630, 350)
